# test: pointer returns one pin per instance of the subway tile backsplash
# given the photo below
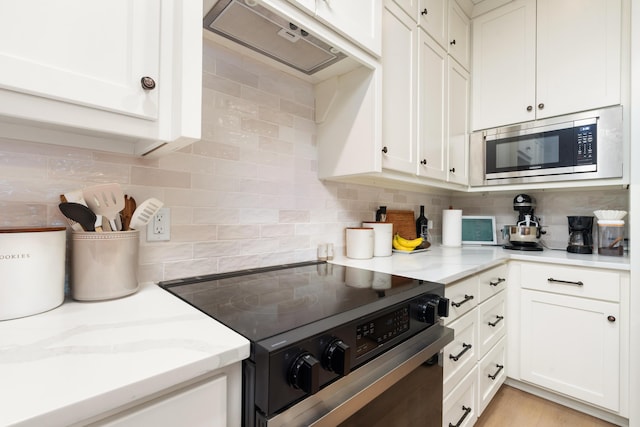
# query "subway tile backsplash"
(247, 194)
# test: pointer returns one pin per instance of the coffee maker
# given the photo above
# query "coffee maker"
(580, 234)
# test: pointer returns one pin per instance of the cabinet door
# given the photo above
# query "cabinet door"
(399, 90)
(578, 56)
(357, 19)
(83, 54)
(458, 119)
(433, 19)
(458, 40)
(571, 345)
(409, 6)
(432, 108)
(504, 47)
(202, 405)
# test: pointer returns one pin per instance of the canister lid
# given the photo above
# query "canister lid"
(30, 229)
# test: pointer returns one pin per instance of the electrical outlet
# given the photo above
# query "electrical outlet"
(159, 228)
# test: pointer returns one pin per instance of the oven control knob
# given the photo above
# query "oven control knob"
(430, 308)
(337, 357)
(304, 373)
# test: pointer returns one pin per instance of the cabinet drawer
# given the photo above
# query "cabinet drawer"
(577, 281)
(492, 281)
(491, 322)
(463, 297)
(460, 355)
(491, 374)
(459, 407)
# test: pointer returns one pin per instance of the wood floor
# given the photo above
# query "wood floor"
(513, 407)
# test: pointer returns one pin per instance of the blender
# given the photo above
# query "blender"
(580, 234)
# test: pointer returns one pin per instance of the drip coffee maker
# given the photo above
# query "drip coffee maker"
(580, 234)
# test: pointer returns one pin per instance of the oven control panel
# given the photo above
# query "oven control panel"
(300, 368)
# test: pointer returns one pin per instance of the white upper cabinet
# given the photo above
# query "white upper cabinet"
(432, 109)
(359, 20)
(504, 58)
(433, 19)
(541, 59)
(459, 33)
(578, 56)
(83, 56)
(399, 61)
(101, 70)
(458, 124)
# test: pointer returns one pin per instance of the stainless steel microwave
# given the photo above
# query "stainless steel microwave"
(585, 145)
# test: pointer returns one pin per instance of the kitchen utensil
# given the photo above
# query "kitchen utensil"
(143, 213)
(80, 214)
(106, 200)
(127, 212)
(525, 234)
(75, 226)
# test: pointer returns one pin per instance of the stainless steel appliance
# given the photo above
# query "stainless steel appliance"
(585, 145)
(580, 234)
(328, 340)
(259, 28)
(525, 234)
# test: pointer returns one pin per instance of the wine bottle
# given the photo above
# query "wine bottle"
(422, 225)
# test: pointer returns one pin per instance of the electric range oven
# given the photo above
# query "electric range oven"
(331, 345)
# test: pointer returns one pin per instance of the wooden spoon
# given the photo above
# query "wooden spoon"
(127, 212)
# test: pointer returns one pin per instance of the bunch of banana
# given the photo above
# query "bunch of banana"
(402, 244)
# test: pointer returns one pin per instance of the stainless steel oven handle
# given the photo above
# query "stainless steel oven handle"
(337, 402)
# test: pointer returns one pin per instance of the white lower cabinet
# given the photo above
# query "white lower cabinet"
(491, 374)
(574, 333)
(459, 407)
(214, 400)
(477, 311)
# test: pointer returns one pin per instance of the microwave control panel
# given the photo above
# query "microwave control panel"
(586, 143)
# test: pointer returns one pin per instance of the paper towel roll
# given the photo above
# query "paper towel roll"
(452, 227)
(360, 243)
(382, 237)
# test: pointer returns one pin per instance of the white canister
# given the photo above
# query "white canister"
(382, 237)
(359, 242)
(31, 270)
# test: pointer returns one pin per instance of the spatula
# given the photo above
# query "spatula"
(106, 200)
(143, 213)
(127, 212)
(80, 214)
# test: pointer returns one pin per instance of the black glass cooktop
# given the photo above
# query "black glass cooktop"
(261, 303)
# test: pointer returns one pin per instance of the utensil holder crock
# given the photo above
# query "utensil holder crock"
(104, 265)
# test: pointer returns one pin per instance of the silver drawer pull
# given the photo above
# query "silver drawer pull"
(466, 298)
(459, 355)
(498, 319)
(494, 376)
(566, 282)
(496, 282)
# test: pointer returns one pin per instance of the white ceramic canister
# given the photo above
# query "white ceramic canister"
(382, 237)
(32, 262)
(359, 242)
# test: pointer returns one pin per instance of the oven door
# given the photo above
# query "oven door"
(402, 387)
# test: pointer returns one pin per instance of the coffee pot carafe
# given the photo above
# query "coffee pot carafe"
(580, 234)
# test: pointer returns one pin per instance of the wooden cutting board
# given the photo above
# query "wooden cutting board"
(404, 223)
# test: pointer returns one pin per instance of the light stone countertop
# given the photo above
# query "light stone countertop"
(85, 358)
(446, 265)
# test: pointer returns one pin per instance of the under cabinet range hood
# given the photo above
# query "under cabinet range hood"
(254, 26)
